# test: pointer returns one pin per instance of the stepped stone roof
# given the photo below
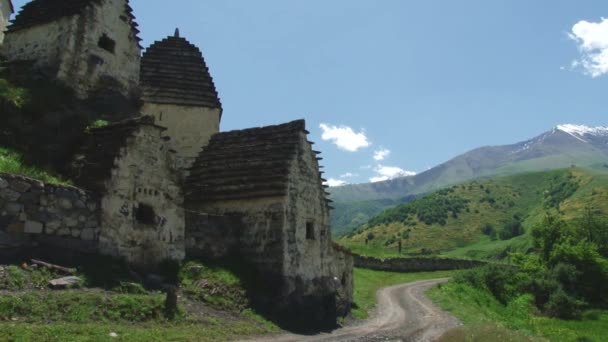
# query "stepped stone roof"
(95, 160)
(247, 163)
(10, 5)
(173, 71)
(38, 12)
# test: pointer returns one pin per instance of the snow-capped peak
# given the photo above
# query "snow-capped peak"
(579, 131)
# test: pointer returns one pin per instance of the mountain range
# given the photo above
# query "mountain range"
(563, 146)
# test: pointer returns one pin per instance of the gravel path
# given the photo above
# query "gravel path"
(403, 314)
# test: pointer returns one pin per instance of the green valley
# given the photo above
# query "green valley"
(480, 219)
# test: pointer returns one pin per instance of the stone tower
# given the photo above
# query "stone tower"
(179, 92)
(6, 9)
(91, 45)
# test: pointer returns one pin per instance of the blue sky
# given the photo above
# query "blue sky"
(426, 80)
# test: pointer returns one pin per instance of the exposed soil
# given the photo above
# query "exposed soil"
(403, 314)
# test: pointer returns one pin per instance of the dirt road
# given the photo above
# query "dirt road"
(403, 314)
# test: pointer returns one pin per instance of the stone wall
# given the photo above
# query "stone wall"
(5, 13)
(30, 209)
(69, 48)
(189, 128)
(252, 229)
(142, 213)
(415, 264)
(342, 268)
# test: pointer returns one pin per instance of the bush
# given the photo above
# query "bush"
(562, 305)
(511, 229)
(489, 230)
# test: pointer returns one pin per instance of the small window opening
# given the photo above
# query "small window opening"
(310, 231)
(343, 281)
(145, 214)
(106, 43)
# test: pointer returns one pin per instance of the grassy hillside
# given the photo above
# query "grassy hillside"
(480, 219)
(486, 319)
(346, 217)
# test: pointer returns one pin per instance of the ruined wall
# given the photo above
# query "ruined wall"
(415, 264)
(32, 210)
(143, 218)
(5, 14)
(70, 48)
(190, 128)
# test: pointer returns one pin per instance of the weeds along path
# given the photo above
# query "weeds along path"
(403, 314)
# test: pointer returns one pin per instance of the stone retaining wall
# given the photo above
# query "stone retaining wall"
(415, 264)
(29, 208)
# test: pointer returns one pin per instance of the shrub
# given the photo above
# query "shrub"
(562, 305)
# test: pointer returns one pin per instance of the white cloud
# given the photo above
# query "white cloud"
(381, 154)
(345, 137)
(349, 175)
(332, 182)
(389, 172)
(592, 40)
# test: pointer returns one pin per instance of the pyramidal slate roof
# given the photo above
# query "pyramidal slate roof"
(173, 71)
(249, 163)
(38, 12)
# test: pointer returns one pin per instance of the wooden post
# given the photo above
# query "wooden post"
(171, 303)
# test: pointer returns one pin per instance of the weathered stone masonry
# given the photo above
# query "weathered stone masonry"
(32, 211)
(255, 194)
(6, 9)
(92, 45)
(142, 205)
(258, 194)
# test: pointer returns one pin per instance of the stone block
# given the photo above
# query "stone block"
(3, 183)
(92, 206)
(9, 195)
(33, 227)
(88, 234)
(32, 197)
(63, 232)
(65, 203)
(91, 223)
(79, 204)
(70, 222)
(16, 228)
(13, 208)
(20, 186)
(51, 227)
(76, 232)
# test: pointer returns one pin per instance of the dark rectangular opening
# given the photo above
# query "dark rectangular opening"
(106, 43)
(310, 230)
(145, 214)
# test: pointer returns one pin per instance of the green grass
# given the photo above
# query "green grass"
(12, 162)
(477, 308)
(14, 95)
(214, 285)
(212, 307)
(213, 330)
(368, 282)
(495, 202)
